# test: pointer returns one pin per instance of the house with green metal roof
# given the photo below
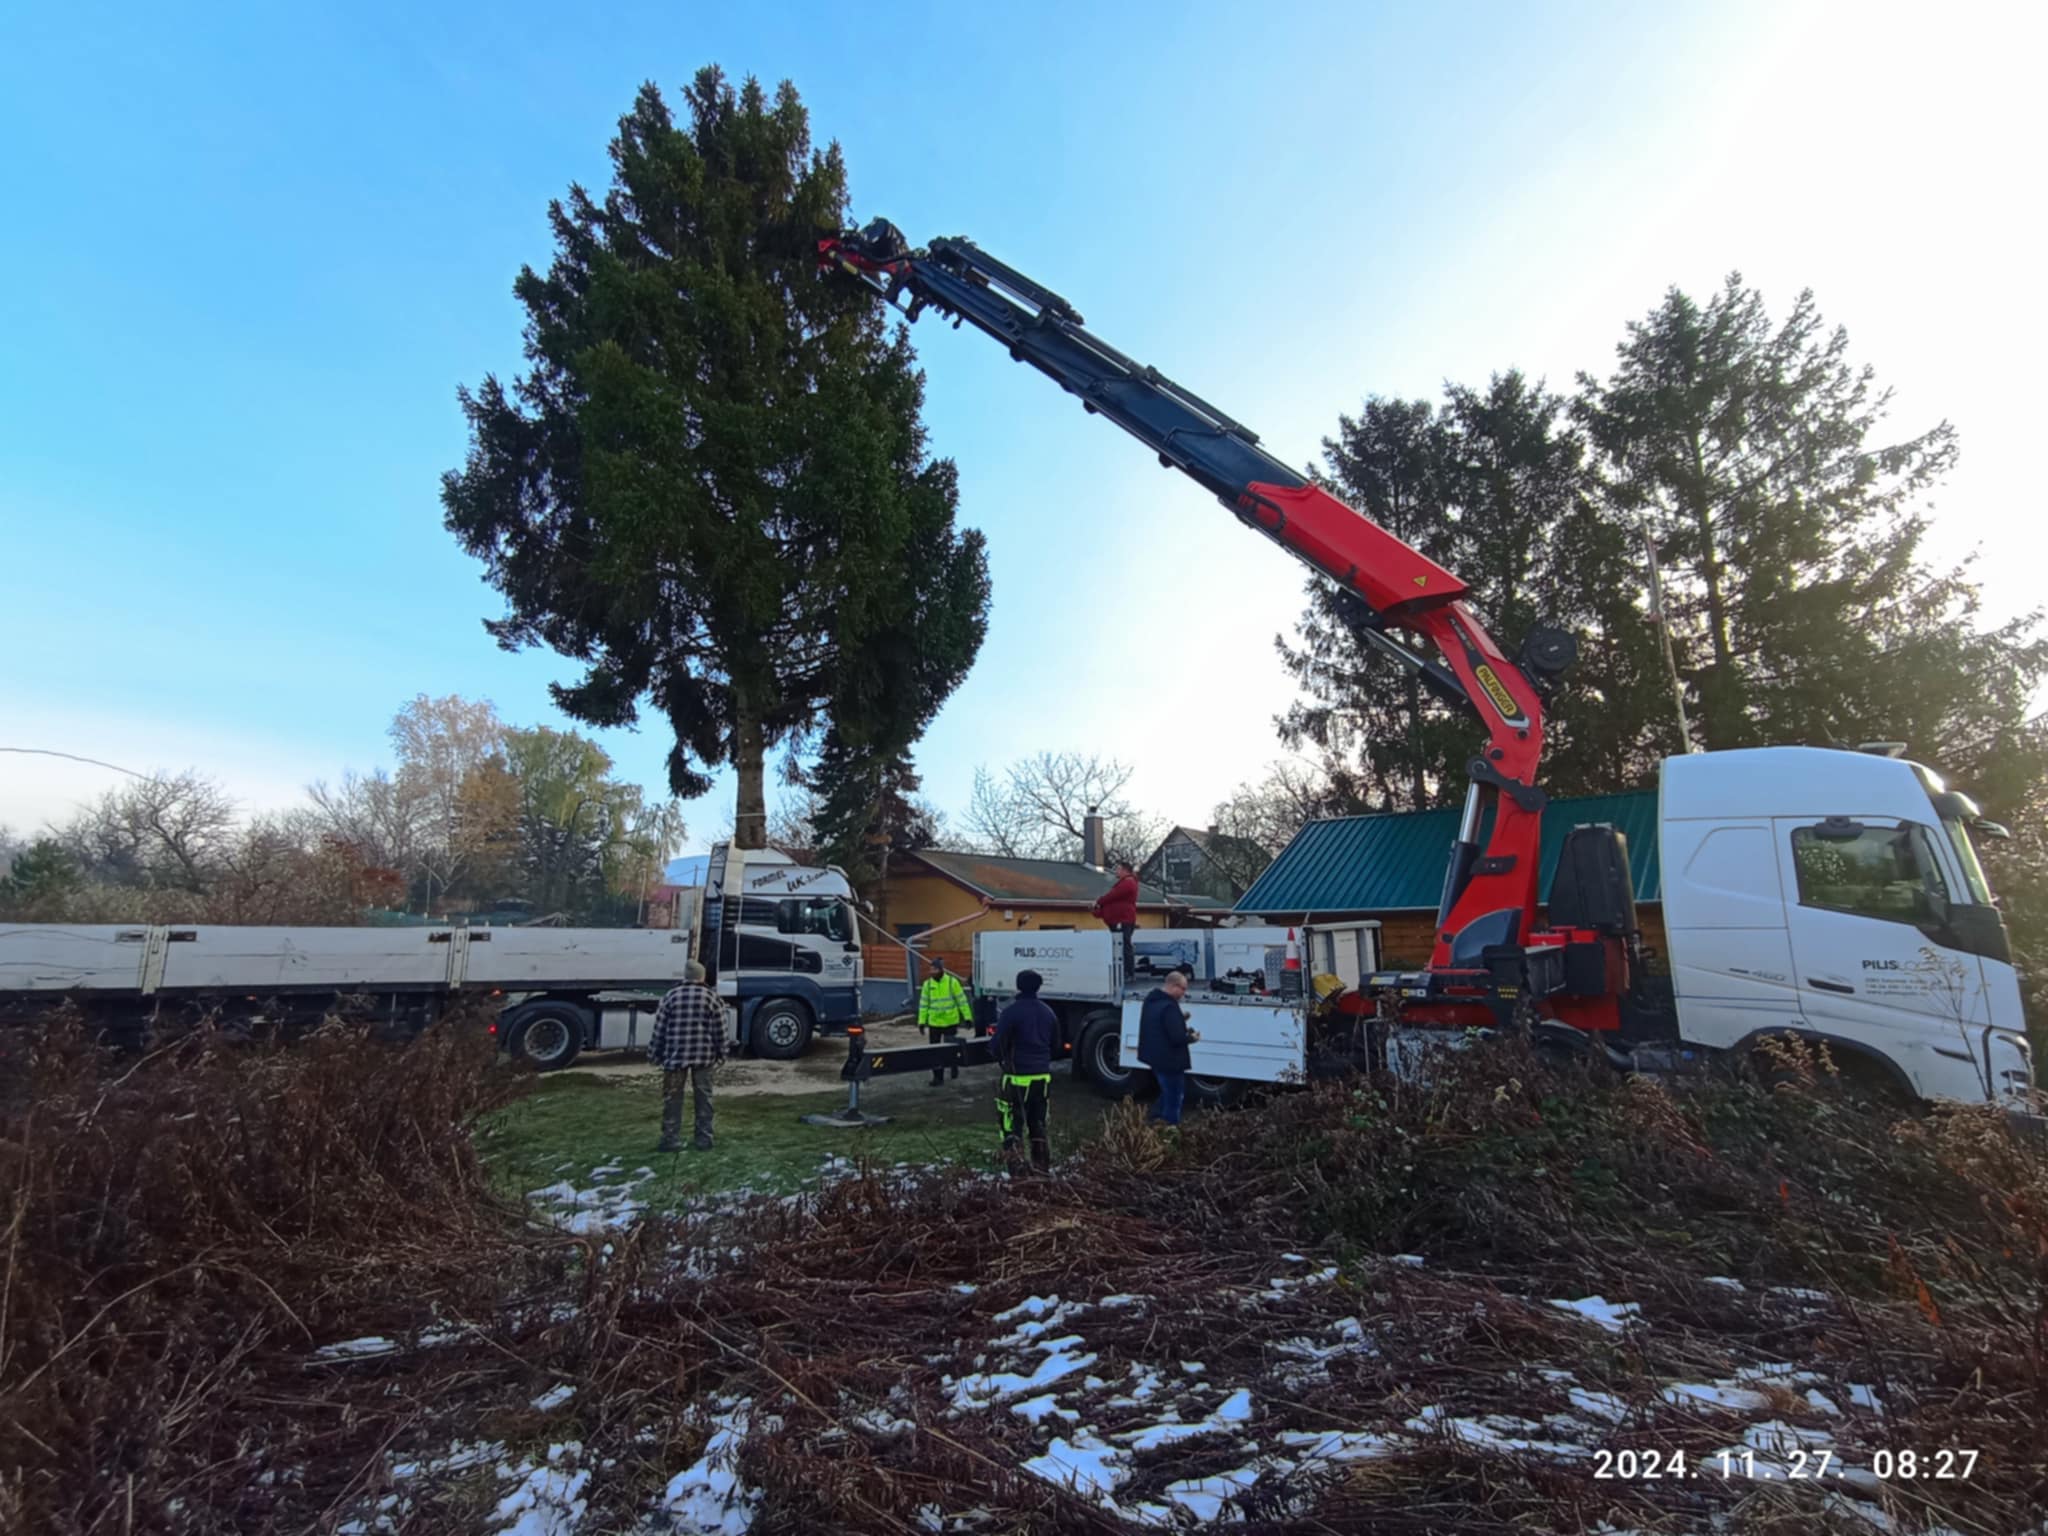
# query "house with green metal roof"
(1391, 868)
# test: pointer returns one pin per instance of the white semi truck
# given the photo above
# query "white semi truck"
(1824, 892)
(1831, 895)
(782, 944)
(779, 939)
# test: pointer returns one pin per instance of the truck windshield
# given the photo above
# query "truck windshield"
(1966, 855)
(1956, 812)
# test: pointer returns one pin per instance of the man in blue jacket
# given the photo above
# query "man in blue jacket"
(1025, 1035)
(1163, 1041)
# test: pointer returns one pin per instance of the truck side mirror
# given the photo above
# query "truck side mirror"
(1992, 831)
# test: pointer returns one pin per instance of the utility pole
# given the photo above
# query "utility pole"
(1663, 623)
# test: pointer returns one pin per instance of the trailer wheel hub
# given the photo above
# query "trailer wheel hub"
(546, 1039)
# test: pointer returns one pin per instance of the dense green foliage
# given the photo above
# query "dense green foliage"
(1804, 595)
(711, 486)
(1802, 599)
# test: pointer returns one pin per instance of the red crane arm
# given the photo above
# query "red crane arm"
(1490, 889)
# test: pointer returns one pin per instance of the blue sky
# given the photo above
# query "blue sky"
(249, 253)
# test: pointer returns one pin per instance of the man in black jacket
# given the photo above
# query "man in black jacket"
(1163, 1041)
(1023, 1047)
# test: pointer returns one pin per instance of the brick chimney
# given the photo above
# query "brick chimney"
(1094, 840)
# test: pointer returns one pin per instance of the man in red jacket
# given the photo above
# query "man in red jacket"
(1118, 909)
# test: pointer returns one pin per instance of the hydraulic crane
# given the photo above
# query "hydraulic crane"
(1490, 960)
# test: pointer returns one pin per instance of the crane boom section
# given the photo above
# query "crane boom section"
(1391, 585)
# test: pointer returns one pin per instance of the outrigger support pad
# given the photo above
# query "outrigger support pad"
(855, 1072)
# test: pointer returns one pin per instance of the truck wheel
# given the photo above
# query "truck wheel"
(1100, 1057)
(550, 1035)
(781, 1029)
(1213, 1092)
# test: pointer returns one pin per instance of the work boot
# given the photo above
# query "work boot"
(668, 1144)
(1041, 1155)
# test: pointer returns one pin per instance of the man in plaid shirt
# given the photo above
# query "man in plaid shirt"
(688, 1042)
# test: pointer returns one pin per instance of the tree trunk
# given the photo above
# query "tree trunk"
(749, 756)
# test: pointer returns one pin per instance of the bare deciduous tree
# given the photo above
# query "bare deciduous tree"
(376, 814)
(167, 832)
(1261, 816)
(1038, 808)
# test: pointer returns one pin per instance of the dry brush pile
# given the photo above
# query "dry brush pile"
(1369, 1307)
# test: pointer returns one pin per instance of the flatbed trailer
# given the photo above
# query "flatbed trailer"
(559, 990)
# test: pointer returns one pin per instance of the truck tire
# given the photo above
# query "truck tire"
(781, 1030)
(549, 1035)
(1099, 1057)
(1213, 1092)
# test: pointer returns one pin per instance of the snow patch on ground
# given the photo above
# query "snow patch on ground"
(586, 1212)
(1338, 1445)
(1598, 1405)
(355, 1349)
(1030, 1306)
(1090, 1466)
(462, 1455)
(1720, 1394)
(708, 1498)
(553, 1398)
(548, 1501)
(1203, 1497)
(1493, 1432)
(983, 1389)
(1037, 1409)
(1614, 1316)
(1322, 1276)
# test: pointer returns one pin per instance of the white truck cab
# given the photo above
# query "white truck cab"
(1837, 895)
(782, 945)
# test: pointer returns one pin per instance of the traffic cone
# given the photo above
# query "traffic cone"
(1290, 968)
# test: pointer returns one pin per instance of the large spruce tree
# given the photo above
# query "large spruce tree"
(1498, 488)
(711, 487)
(867, 808)
(1803, 602)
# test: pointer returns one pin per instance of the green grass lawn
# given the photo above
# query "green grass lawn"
(573, 1123)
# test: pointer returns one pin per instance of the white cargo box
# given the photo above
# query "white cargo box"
(1250, 1040)
(1074, 963)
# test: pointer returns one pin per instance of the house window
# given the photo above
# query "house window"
(1179, 865)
